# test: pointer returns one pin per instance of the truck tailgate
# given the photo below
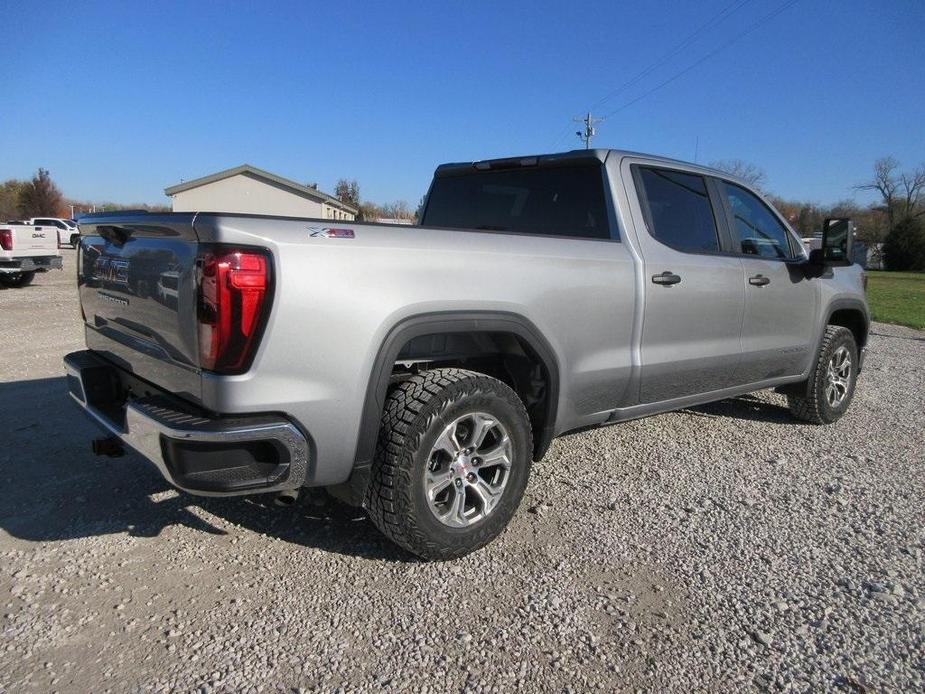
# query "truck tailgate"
(26, 240)
(137, 285)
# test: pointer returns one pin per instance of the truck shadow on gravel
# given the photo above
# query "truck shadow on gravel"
(747, 407)
(52, 488)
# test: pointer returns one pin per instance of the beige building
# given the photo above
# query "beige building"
(251, 190)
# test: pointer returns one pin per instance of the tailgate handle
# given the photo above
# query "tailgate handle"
(113, 234)
(759, 280)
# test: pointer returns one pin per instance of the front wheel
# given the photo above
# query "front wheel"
(453, 458)
(18, 279)
(828, 392)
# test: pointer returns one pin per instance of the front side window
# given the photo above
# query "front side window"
(679, 210)
(757, 230)
(555, 201)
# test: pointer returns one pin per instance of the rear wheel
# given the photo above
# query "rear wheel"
(18, 279)
(830, 388)
(453, 459)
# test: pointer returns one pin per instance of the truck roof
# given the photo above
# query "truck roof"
(571, 158)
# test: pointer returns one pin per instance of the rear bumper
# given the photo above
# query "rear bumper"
(39, 263)
(195, 451)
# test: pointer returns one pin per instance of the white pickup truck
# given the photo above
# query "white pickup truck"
(67, 230)
(26, 249)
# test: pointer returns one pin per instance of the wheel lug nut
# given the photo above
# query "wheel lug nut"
(458, 482)
(476, 461)
(471, 477)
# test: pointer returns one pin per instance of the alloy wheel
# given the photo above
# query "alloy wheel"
(468, 469)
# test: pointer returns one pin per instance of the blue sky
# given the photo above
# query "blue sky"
(121, 99)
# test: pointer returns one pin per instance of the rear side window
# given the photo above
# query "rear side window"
(559, 201)
(757, 230)
(679, 211)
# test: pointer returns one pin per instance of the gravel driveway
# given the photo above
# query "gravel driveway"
(719, 548)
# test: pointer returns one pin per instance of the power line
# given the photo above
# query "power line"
(728, 10)
(709, 55)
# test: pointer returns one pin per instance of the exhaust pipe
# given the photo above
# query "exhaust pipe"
(287, 497)
(110, 446)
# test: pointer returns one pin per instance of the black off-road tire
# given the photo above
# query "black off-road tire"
(810, 403)
(416, 413)
(20, 279)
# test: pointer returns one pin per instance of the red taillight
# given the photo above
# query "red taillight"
(6, 239)
(234, 301)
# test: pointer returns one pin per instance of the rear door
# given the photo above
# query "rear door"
(779, 328)
(694, 299)
(124, 265)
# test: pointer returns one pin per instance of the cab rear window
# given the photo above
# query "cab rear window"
(555, 201)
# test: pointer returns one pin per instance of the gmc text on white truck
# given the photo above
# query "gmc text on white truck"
(25, 250)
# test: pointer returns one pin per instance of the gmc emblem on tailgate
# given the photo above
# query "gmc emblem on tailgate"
(113, 270)
(38, 235)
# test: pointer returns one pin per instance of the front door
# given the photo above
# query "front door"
(779, 327)
(694, 298)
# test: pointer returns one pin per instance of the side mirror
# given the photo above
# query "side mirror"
(837, 243)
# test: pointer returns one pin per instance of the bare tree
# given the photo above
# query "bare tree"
(743, 170)
(397, 210)
(913, 192)
(902, 194)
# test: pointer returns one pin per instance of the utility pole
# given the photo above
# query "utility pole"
(589, 131)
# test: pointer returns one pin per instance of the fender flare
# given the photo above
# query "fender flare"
(451, 322)
(851, 304)
(848, 303)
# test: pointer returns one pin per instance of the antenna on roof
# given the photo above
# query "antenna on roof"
(589, 131)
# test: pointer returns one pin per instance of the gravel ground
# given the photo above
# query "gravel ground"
(720, 548)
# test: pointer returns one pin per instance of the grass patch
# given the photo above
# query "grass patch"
(897, 297)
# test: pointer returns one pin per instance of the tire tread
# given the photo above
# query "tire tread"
(808, 406)
(401, 430)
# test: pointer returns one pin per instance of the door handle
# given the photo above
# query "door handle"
(666, 277)
(759, 280)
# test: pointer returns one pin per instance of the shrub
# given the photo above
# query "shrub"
(904, 247)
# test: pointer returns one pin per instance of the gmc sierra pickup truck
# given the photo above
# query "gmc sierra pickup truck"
(420, 371)
(26, 249)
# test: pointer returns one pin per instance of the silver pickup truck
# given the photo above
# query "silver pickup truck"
(420, 371)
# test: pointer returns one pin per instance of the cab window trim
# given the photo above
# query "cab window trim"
(719, 220)
(735, 245)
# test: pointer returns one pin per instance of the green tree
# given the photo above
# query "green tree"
(904, 248)
(348, 192)
(9, 199)
(40, 197)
